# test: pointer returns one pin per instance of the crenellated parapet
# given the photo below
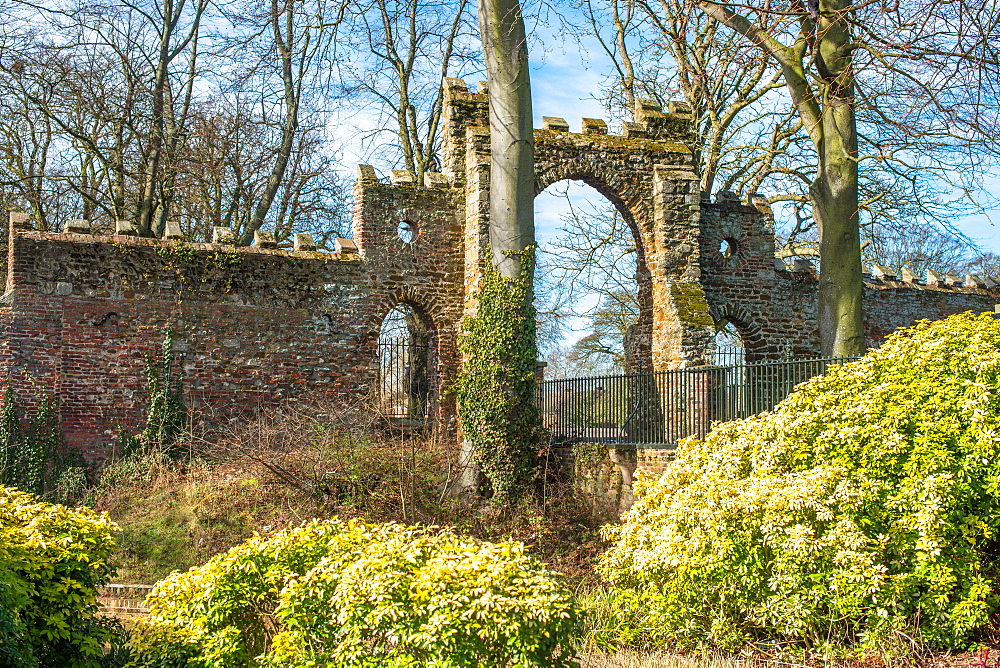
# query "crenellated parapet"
(890, 277)
(223, 238)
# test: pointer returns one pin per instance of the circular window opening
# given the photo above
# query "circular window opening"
(407, 231)
(728, 248)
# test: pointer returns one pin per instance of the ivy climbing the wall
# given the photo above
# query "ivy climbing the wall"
(497, 386)
(33, 456)
(167, 413)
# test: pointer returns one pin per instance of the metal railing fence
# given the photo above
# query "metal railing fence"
(658, 409)
(404, 378)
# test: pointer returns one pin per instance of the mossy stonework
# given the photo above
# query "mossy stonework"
(260, 324)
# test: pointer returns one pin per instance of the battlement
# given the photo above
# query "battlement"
(882, 277)
(464, 108)
(892, 277)
(458, 89)
(651, 122)
(126, 237)
(367, 176)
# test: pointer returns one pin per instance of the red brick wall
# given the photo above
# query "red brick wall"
(254, 326)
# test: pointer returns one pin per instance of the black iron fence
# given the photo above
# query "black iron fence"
(404, 379)
(658, 409)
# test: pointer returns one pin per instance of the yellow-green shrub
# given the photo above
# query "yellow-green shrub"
(354, 594)
(866, 503)
(52, 559)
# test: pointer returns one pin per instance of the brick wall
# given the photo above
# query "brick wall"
(254, 326)
(773, 306)
(258, 325)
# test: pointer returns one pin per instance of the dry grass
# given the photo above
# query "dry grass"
(313, 461)
(657, 660)
(174, 517)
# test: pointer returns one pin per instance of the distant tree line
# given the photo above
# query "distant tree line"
(216, 114)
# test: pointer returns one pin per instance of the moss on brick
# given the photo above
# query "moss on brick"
(550, 138)
(690, 304)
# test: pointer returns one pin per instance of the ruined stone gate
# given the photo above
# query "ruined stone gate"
(81, 313)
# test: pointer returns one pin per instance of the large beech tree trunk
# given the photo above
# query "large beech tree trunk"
(834, 195)
(512, 168)
(512, 178)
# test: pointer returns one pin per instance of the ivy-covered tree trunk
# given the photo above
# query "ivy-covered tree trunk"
(497, 389)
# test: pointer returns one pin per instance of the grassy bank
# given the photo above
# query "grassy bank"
(310, 462)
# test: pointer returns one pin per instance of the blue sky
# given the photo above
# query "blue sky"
(564, 84)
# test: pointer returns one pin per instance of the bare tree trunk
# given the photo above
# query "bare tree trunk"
(153, 203)
(835, 190)
(292, 84)
(512, 224)
(512, 170)
(628, 71)
(820, 80)
(404, 36)
(147, 202)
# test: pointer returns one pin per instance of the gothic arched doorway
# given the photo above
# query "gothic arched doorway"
(592, 286)
(404, 364)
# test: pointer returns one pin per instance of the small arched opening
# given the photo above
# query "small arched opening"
(406, 231)
(730, 349)
(405, 365)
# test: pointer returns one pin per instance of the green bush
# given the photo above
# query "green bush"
(863, 510)
(354, 594)
(52, 559)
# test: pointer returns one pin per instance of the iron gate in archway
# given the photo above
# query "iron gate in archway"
(405, 380)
